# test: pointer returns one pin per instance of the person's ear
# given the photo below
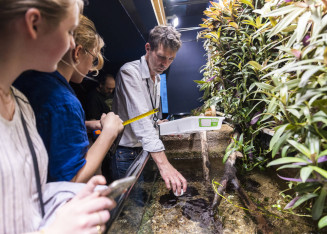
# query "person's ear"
(147, 47)
(33, 21)
(77, 53)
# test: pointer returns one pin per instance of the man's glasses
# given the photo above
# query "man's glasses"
(95, 58)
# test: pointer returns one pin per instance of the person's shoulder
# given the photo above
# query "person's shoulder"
(26, 80)
(131, 66)
(19, 95)
(34, 81)
(23, 102)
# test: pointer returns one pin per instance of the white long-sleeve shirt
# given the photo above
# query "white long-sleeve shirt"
(19, 201)
(133, 98)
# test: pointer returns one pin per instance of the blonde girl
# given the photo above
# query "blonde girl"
(35, 34)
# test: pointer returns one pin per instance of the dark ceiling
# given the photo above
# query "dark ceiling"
(189, 12)
(124, 40)
(124, 25)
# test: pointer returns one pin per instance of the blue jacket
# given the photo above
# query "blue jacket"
(60, 121)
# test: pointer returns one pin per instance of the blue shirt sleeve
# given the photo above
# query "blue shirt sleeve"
(64, 134)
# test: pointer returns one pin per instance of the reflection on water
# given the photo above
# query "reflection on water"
(191, 213)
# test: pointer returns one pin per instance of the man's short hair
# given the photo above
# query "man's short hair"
(167, 36)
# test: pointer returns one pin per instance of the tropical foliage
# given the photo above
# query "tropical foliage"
(267, 69)
(233, 67)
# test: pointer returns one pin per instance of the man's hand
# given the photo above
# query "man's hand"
(170, 175)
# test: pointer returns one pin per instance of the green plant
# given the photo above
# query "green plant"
(233, 66)
(266, 68)
(294, 88)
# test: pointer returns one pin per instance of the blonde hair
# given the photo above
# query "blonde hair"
(52, 10)
(86, 35)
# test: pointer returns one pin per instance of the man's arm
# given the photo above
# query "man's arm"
(169, 174)
(133, 96)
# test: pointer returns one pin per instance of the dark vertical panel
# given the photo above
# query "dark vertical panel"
(183, 94)
(123, 41)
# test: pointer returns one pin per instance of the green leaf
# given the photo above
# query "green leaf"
(308, 94)
(277, 62)
(319, 205)
(323, 153)
(247, 2)
(300, 147)
(271, 108)
(316, 18)
(227, 154)
(279, 143)
(290, 28)
(284, 151)
(286, 21)
(321, 104)
(314, 143)
(302, 26)
(307, 75)
(240, 140)
(323, 24)
(255, 65)
(230, 149)
(286, 160)
(303, 199)
(284, 94)
(277, 135)
(264, 86)
(307, 187)
(280, 11)
(322, 222)
(249, 23)
(288, 166)
(305, 173)
(292, 83)
(291, 41)
(294, 112)
(199, 81)
(320, 171)
(317, 118)
(298, 66)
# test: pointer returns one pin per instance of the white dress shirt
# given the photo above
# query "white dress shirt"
(133, 98)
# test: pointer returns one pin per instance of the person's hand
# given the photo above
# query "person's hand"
(87, 212)
(93, 125)
(111, 123)
(90, 186)
(173, 179)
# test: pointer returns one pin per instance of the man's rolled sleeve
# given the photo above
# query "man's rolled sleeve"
(152, 145)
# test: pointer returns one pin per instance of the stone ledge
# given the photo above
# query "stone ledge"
(189, 145)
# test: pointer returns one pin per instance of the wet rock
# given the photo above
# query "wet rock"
(170, 200)
(199, 210)
(252, 185)
(191, 192)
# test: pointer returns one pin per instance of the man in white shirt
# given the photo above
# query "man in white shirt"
(137, 92)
